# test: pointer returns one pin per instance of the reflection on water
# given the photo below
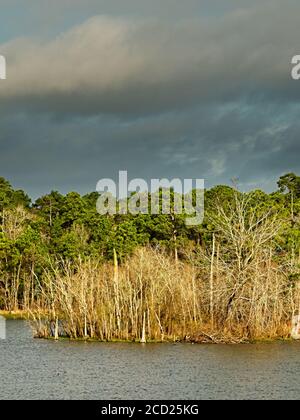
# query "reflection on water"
(40, 369)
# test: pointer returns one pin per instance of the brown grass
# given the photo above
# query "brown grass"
(151, 298)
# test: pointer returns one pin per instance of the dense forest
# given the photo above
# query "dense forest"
(152, 277)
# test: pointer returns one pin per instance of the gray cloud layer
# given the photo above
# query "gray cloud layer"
(208, 97)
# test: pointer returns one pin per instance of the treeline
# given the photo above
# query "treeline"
(151, 277)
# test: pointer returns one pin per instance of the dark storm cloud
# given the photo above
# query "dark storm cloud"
(201, 96)
(217, 143)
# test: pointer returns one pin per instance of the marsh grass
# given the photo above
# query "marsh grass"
(153, 299)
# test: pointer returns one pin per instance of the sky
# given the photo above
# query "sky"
(160, 88)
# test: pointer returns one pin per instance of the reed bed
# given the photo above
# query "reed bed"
(149, 298)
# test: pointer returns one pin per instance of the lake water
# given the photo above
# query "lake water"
(40, 369)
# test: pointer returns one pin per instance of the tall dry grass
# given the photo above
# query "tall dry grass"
(147, 298)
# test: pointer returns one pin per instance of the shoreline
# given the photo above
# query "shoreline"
(25, 315)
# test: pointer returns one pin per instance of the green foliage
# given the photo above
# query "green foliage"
(290, 183)
(10, 198)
